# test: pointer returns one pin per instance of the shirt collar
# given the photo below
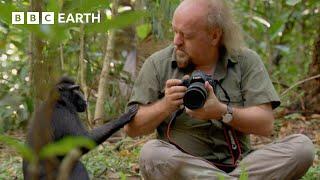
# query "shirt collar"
(222, 66)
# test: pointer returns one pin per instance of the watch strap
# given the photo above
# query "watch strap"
(228, 117)
(229, 109)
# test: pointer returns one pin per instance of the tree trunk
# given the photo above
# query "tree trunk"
(83, 73)
(42, 76)
(99, 111)
(41, 69)
(312, 88)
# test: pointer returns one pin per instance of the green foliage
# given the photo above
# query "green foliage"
(59, 148)
(6, 10)
(244, 174)
(312, 174)
(292, 2)
(58, 33)
(65, 145)
(282, 33)
(16, 104)
(122, 176)
(10, 167)
(21, 148)
(122, 20)
(220, 176)
(87, 5)
(106, 161)
(161, 12)
(143, 30)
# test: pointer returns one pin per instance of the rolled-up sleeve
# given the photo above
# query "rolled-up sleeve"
(146, 86)
(257, 87)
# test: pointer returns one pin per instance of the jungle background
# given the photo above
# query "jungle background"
(106, 57)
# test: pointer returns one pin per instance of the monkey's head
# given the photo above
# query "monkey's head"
(70, 94)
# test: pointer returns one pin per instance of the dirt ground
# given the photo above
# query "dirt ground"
(284, 126)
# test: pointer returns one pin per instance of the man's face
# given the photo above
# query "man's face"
(191, 36)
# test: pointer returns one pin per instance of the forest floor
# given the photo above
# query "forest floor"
(120, 160)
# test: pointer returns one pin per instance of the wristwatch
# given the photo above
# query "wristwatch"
(228, 117)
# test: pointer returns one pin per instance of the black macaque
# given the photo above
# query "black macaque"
(56, 118)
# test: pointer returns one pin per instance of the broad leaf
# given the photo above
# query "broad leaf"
(292, 2)
(23, 149)
(65, 145)
(143, 30)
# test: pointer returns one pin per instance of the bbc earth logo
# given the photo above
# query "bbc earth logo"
(52, 18)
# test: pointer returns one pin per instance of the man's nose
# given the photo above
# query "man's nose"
(178, 40)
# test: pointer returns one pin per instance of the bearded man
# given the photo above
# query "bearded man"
(211, 141)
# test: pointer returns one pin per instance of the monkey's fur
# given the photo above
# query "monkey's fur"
(58, 117)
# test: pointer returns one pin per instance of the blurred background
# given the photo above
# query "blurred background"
(106, 57)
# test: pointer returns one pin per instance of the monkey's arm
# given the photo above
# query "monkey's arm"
(102, 133)
(67, 124)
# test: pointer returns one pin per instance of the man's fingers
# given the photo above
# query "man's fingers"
(186, 77)
(176, 96)
(178, 102)
(176, 89)
(209, 88)
(173, 82)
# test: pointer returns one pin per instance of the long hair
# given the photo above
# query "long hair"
(220, 15)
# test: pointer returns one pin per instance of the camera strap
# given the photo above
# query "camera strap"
(229, 135)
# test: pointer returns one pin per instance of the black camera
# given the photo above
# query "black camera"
(196, 94)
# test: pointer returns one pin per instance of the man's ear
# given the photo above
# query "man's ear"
(216, 35)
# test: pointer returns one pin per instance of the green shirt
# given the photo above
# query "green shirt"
(245, 79)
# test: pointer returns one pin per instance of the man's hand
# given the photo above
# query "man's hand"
(150, 116)
(212, 109)
(174, 93)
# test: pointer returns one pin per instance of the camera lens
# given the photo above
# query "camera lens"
(195, 96)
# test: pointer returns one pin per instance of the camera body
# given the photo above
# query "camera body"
(196, 94)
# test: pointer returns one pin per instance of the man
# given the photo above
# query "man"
(211, 141)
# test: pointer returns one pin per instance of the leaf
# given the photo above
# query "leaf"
(29, 103)
(126, 18)
(293, 116)
(80, 6)
(220, 176)
(283, 48)
(53, 6)
(120, 21)
(262, 21)
(10, 100)
(244, 174)
(275, 28)
(143, 30)
(65, 145)
(6, 11)
(122, 176)
(23, 149)
(292, 2)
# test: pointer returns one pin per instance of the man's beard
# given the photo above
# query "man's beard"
(183, 59)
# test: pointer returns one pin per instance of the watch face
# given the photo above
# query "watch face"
(227, 118)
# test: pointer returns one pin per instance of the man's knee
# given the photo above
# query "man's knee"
(304, 151)
(154, 150)
(155, 159)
